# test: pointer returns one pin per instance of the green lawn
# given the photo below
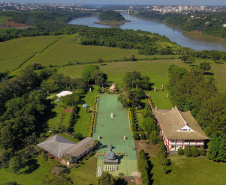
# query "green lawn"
(85, 174)
(16, 51)
(139, 119)
(156, 70)
(189, 171)
(33, 176)
(160, 98)
(82, 125)
(57, 114)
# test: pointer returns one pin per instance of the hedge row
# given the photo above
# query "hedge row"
(193, 151)
(92, 125)
(137, 135)
(132, 119)
(73, 118)
(144, 168)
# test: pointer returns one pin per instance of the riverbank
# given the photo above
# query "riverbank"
(195, 34)
(112, 23)
(199, 35)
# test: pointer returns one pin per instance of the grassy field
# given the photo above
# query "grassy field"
(156, 70)
(29, 175)
(16, 51)
(67, 50)
(57, 114)
(189, 171)
(82, 125)
(85, 174)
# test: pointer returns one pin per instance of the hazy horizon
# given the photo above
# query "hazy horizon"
(127, 2)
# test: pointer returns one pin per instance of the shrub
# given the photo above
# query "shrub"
(78, 136)
(187, 151)
(136, 136)
(180, 151)
(142, 136)
(194, 151)
(99, 90)
(202, 151)
(45, 157)
(154, 137)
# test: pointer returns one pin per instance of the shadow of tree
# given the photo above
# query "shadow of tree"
(121, 181)
(32, 166)
(49, 114)
(150, 170)
(208, 73)
(150, 86)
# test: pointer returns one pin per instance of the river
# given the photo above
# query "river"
(174, 34)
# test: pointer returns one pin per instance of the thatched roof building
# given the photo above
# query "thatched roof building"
(179, 127)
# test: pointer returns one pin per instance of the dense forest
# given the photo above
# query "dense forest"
(207, 23)
(145, 42)
(41, 22)
(111, 15)
(191, 91)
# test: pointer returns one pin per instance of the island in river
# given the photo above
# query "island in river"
(111, 17)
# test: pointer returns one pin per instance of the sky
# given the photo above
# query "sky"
(130, 2)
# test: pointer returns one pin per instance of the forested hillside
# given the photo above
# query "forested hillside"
(41, 22)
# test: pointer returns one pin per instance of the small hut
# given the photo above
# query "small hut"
(113, 88)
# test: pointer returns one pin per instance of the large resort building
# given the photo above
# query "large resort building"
(179, 129)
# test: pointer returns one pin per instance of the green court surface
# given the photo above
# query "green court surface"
(112, 132)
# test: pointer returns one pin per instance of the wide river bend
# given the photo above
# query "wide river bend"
(174, 34)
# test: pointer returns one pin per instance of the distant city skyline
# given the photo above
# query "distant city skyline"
(128, 2)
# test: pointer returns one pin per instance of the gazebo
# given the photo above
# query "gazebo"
(113, 88)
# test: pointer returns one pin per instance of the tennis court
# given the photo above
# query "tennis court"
(112, 132)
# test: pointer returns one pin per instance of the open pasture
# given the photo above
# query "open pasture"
(189, 171)
(67, 50)
(14, 52)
